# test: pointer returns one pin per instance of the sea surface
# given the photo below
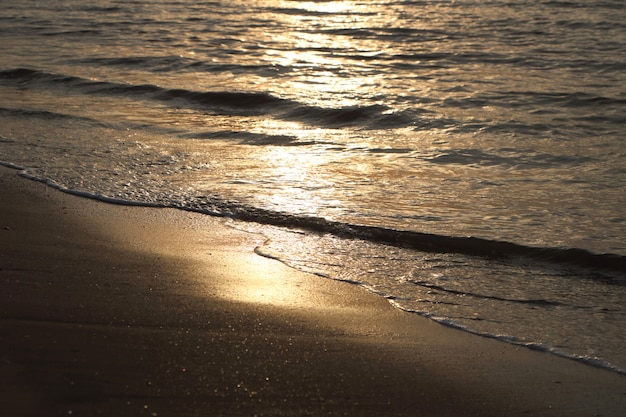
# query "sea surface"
(464, 159)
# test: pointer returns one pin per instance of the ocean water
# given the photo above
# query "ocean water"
(464, 159)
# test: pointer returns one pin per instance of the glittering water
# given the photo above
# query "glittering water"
(464, 159)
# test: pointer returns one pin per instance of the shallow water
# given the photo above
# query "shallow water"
(463, 159)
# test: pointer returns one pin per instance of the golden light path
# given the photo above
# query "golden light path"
(322, 76)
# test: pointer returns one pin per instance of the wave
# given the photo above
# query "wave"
(575, 258)
(508, 158)
(609, 4)
(228, 102)
(178, 64)
(365, 116)
(373, 117)
(294, 11)
(24, 77)
(426, 242)
(520, 99)
(441, 60)
(249, 138)
(44, 114)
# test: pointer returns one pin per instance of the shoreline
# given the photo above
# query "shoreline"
(126, 310)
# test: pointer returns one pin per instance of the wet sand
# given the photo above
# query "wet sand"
(130, 311)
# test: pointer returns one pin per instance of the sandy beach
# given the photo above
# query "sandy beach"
(129, 311)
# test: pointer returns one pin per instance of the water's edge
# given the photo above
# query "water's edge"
(485, 248)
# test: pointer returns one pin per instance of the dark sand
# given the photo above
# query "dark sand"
(126, 311)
